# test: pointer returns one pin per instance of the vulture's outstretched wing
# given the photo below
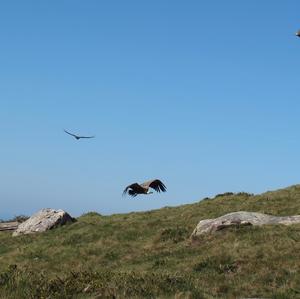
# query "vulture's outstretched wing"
(86, 136)
(71, 134)
(133, 189)
(157, 185)
(298, 33)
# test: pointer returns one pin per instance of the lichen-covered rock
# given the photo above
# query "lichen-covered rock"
(43, 220)
(241, 218)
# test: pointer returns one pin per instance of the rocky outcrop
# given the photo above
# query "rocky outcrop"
(43, 220)
(9, 225)
(241, 218)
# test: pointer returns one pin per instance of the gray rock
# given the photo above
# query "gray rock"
(241, 218)
(9, 225)
(43, 220)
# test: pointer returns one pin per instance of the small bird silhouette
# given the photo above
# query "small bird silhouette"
(78, 137)
(135, 188)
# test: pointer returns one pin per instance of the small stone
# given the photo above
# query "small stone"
(85, 290)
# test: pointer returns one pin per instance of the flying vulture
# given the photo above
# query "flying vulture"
(298, 33)
(78, 137)
(135, 188)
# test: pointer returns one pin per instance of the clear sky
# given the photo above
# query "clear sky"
(204, 95)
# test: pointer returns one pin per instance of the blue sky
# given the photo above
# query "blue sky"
(202, 94)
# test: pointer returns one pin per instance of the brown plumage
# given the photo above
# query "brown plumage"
(135, 188)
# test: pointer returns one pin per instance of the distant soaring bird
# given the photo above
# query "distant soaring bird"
(298, 33)
(135, 189)
(78, 137)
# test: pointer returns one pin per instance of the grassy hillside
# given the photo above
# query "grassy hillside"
(149, 254)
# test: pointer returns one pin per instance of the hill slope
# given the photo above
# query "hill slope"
(149, 254)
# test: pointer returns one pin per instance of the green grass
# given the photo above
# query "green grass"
(150, 254)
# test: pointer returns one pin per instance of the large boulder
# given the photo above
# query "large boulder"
(240, 218)
(43, 220)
